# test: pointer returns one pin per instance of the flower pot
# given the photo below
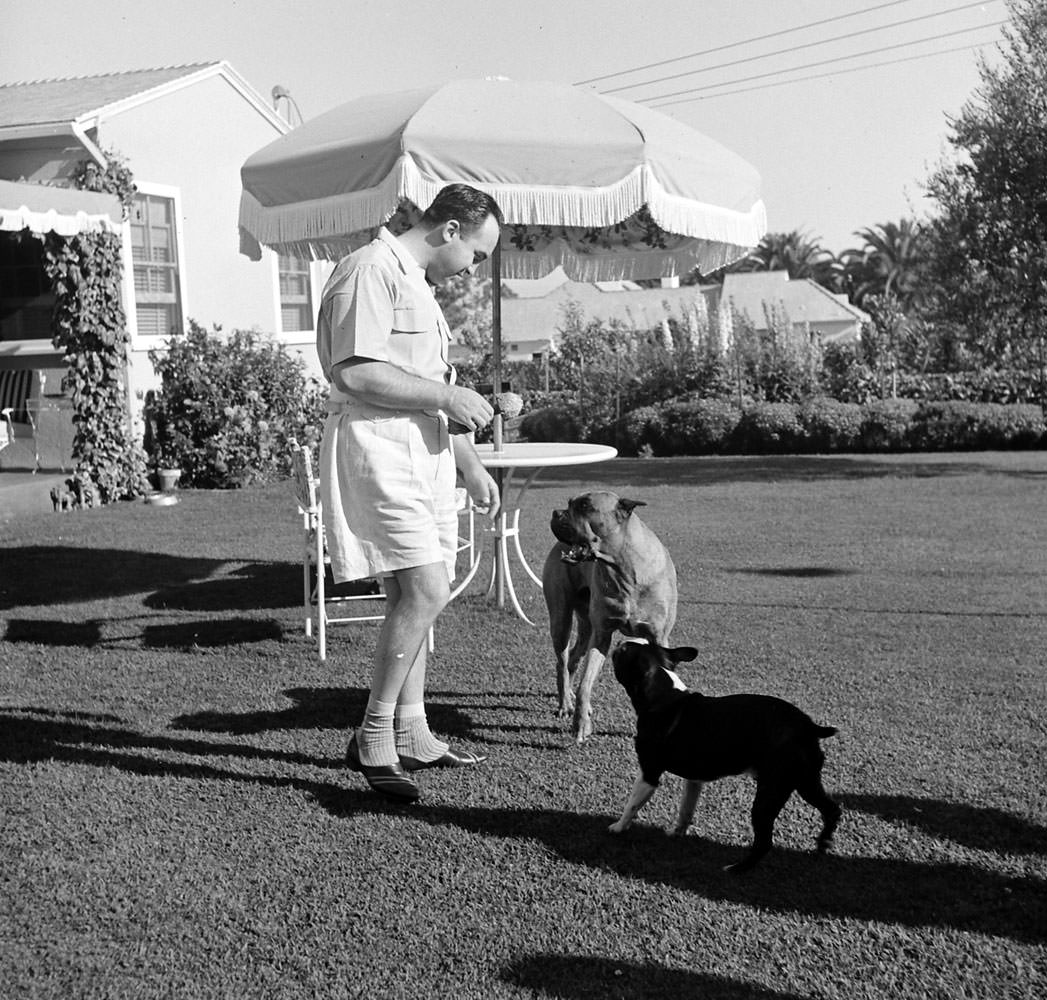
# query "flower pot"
(167, 479)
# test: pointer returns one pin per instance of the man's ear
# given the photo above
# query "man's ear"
(626, 507)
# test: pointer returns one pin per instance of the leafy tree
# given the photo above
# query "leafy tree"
(988, 246)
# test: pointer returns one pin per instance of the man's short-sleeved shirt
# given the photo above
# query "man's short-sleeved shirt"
(378, 305)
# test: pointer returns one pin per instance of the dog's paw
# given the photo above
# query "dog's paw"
(676, 831)
(619, 827)
(583, 728)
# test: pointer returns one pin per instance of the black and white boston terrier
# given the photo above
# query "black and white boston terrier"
(702, 739)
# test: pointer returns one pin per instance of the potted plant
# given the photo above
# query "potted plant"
(166, 471)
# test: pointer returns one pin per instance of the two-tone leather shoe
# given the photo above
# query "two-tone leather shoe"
(386, 779)
(450, 758)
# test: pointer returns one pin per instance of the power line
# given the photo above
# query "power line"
(796, 48)
(822, 62)
(821, 76)
(745, 41)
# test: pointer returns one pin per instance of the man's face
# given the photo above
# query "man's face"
(463, 250)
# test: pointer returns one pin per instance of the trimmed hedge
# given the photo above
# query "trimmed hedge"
(886, 423)
(958, 426)
(769, 429)
(829, 425)
(689, 426)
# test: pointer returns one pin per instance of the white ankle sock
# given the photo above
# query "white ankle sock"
(375, 735)
(413, 737)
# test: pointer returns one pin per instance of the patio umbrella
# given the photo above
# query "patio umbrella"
(606, 188)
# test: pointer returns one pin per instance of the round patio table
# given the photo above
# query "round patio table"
(505, 463)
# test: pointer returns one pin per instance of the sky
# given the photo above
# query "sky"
(839, 152)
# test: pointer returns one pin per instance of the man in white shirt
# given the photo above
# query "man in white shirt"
(388, 462)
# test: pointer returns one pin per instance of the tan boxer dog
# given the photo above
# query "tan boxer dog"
(607, 573)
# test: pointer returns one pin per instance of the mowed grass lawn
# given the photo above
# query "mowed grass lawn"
(176, 820)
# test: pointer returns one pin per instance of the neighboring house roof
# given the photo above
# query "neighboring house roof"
(804, 300)
(76, 103)
(538, 309)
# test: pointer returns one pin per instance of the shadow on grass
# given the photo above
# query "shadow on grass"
(247, 588)
(78, 738)
(800, 572)
(893, 890)
(713, 469)
(881, 889)
(577, 977)
(972, 826)
(315, 708)
(203, 634)
(33, 575)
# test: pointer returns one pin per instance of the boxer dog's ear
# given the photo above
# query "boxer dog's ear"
(626, 507)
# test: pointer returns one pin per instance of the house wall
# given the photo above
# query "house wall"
(194, 140)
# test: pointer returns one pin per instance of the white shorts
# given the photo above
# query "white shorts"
(387, 485)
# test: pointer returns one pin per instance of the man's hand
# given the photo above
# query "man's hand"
(469, 409)
(483, 491)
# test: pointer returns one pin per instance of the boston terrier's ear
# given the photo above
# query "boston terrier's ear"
(627, 506)
(682, 654)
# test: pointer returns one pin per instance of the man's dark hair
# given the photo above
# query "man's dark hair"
(464, 203)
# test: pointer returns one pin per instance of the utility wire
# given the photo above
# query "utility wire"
(822, 62)
(744, 41)
(820, 76)
(795, 48)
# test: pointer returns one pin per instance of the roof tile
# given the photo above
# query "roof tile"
(43, 102)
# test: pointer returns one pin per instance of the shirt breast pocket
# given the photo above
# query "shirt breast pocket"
(410, 319)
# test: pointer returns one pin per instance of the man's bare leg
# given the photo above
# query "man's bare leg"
(414, 599)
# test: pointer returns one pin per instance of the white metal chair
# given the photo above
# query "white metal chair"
(317, 591)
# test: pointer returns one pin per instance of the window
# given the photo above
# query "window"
(26, 299)
(154, 248)
(296, 300)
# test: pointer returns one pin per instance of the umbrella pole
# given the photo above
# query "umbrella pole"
(496, 317)
(496, 341)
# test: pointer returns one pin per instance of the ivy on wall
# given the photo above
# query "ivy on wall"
(89, 327)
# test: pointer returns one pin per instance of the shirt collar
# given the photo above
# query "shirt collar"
(402, 254)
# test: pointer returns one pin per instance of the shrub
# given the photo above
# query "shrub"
(951, 425)
(886, 424)
(551, 423)
(685, 426)
(769, 428)
(830, 425)
(981, 386)
(228, 408)
(845, 374)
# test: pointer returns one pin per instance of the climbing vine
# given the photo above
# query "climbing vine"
(89, 327)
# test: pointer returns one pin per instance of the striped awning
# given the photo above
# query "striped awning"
(65, 211)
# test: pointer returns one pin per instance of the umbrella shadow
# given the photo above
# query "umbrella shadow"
(95, 633)
(900, 891)
(30, 733)
(583, 977)
(892, 890)
(316, 708)
(247, 587)
(977, 827)
(33, 575)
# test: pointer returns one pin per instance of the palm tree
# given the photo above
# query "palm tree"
(888, 264)
(799, 254)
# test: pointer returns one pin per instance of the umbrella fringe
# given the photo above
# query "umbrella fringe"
(336, 219)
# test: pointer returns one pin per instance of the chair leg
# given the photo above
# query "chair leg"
(321, 596)
(307, 586)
